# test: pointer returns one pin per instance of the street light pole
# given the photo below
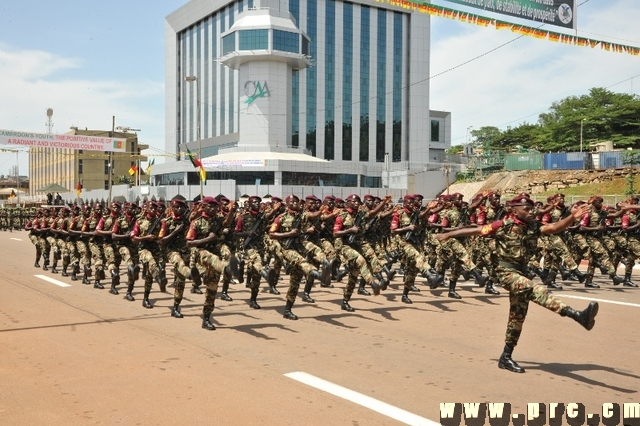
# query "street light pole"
(581, 125)
(191, 79)
(468, 151)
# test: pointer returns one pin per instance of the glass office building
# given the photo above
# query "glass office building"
(365, 99)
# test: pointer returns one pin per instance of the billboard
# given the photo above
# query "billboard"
(46, 140)
(561, 13)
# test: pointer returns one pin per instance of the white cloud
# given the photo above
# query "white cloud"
(34, 81)
(515, 83)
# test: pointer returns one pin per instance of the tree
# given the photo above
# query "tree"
(122, 179)
(485, 137)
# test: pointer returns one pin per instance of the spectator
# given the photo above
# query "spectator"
(49, 198)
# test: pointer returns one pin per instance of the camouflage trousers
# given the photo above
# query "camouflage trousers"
(224, 253)
(83, 252)
(151, 269)
(358, 267)
(616, 244)
(111, 256)
(36, 243)
(254, 266)
(72, 250)
(328, 249)
(53, 247)
(599, 253)
(179, 261)
(556, 252)
(45, 246)
(128, 255)
(414, 262)
(97, 255)
(298, 269)
(582, 249)
(453, 250)
(314, 252)
(633, 252)
(370, 255)
(522, 291)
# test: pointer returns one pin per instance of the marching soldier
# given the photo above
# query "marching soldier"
(516, 241)
(121, 235)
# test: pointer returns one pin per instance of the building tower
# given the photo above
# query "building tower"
(266, 47)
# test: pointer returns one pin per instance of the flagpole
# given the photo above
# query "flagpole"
(113, 129)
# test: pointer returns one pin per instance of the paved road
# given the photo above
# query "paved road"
(76, 355)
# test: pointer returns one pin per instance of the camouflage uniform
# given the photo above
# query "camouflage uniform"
(149, 253)
(177, 253)
(127, 252)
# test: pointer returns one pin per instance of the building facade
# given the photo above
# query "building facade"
(67, 167)
(364, 102)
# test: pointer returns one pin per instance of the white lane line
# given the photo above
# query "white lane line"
(360, 399)
(52, 281)
(17, 239)
(591, 299)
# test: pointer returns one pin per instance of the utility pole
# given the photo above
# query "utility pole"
(113, 129)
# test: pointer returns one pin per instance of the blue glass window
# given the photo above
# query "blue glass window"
(229, 43)
(381, 89)
(435, 131)
(294, 8)
(254, 39)
(365, 21)
(286, 41)
(312, 76)
(329, 81)
(347, 81)
(305, 45)
(397, 88)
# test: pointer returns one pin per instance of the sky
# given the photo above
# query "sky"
(92, 60)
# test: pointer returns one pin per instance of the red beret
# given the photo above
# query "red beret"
(353, 197)
(291, 197)
(330, 198)
(210, 201)
(276, 199)
(255, 197)
(369, 197)
(521, 200)
(418, 196)
(409, 197)
(339, 200)
(311, 198)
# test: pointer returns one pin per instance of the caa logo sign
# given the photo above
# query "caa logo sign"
(255, 90)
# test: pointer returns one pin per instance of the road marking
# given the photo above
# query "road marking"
(52, 281)
(17, 239)
(591, 299)
(360, 399)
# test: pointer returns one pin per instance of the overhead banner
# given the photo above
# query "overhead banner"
(46, 140)
(233, 163)
(561, 13)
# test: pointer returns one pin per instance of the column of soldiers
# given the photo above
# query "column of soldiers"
(216, 241)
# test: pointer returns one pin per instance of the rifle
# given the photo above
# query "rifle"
(317, 225)
(254, 229)
(296, 224)
(464, 216)
(357, 222)
(410, 235)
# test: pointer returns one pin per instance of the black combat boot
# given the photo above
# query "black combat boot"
(287, 312)
(627, 280)
(37, 263)
(579, 275)
(585, 318)
(45, 262)
(383, 282)
(87, 274)
(405, 296)
(206, 320)
(489, 289)
(452, 290)
(253, 303)
(145, 300)
(346, 307)
(161, 279)
(240, 271)
(224, 295)
(550, 282)
(466, 275)
(129, 295)
(325, 278)
(341, 273)
(195, 276)
(590, 284)
(389, 272)
(480, 280)
(507, 363)
(234, 267)
(306, 293)
(272, 281)
(75, 268)
(115, 280)
(54, 266)
(65, 265)
(414, 288)
(96, 283)
(361, 288)
(617, 280)
(100, 273)
(175, 310)
(434, 279)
